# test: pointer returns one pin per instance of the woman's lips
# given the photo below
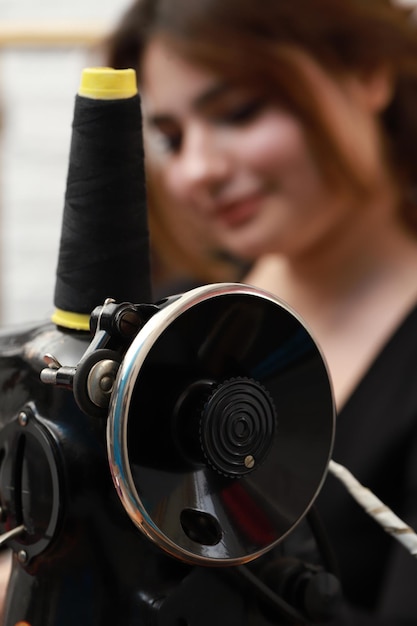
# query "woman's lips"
(240, 211)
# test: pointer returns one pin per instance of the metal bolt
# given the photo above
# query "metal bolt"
(249, 461)
(22, 556)
(100, 382)
(23, 418)
(106, 383)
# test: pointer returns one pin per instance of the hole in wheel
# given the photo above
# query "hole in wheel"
(200, 527)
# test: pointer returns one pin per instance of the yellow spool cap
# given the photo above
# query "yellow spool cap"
(106, 83)
(74, 321)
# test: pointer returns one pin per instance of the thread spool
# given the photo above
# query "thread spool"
(104, 247)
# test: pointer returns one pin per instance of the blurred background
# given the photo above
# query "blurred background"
(44, 45)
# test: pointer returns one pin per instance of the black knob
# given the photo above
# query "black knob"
(237, 426)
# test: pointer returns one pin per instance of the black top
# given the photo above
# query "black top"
(376, 439)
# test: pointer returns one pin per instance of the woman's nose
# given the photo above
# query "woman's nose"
(204, 161)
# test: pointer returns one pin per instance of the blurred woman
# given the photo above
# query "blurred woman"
(288, 130)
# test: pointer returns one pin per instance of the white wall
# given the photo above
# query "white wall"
(37, 90)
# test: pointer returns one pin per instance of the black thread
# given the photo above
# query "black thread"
(104, 248)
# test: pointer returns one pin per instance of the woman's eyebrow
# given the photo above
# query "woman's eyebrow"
(199, 103)
(211, 94)
(159, 120)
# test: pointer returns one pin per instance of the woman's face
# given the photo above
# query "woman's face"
(241, 164)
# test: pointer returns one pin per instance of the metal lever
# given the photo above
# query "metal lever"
(4, 538)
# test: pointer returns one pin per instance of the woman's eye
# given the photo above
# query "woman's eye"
(171, 143)
(167, 142)
(242, 113)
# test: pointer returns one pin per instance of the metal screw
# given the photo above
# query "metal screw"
(129, 323)
(22, 556)
(23, 418)
(249, 461)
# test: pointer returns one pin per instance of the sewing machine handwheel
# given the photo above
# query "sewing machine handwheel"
(221, 425)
